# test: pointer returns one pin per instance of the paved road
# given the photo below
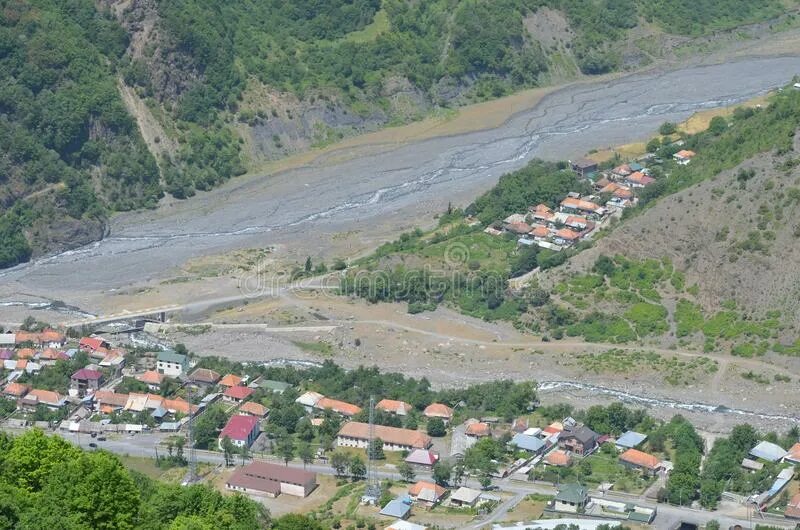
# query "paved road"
(340, 192)
(143, 445)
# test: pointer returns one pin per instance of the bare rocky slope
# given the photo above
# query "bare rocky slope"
(734, 236)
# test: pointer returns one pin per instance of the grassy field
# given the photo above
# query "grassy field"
(380, 24)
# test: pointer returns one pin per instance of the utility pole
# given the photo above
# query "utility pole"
(373, 490)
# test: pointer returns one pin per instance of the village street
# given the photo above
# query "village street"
(144, 445)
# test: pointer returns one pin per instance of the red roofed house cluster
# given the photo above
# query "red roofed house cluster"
(562, 225)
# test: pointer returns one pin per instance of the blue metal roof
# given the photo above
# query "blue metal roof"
(396, 508)
(527, 442)
(768, 451)
(631, 439)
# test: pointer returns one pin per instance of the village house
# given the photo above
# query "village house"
(477, 429)
(571, 498)
(399, 508)
(578, 439)
(438, 410)
(50, 356)
(526, 442)
(639, 460)
(171, 363)
(684, 156)
(241, 430)
(309, 400)
(254, 409)
(204, 377)
(630, 440)
(637, 179)
(793, 455)
(793, 508)
(426, 493)
(152, 379)
(51, 338)
(35, 397)
(92, 344)
(237, 394)
(584, 167)
(542, 213)
(622, 171)
(15, 390)
(86, 380)
(398, 408)
(340, 407)
(356, 434)
(230, 380)
(768, 451)
(565, 237)
(465, 497)
(581, 206)
(422, 457)
(271, 480)
(558, 458)
(8, 340)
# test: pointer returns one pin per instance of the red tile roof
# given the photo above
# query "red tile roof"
(87, 374)
(415, 489)
(50, 335)
(540, 231)
(438, 410)
(580, 204)
(238, 392)
(204, 375)
(340, 407)
(44, 396)
(567, 234)
(685, 153)
(239, 427)
(26, 353)
(16, 389)
(394, 406)
(254, 409)
(558, 458)
(794, 452)
(793, 508)
(390, 435)
(640, 459)
(91, 343)
(478, 429)
(150, 377)
(231, 380)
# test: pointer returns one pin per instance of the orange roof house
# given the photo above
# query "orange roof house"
(567, 235)
(685, 153)
(340, 407)
(438, 410)
(254, 409)
(230, 380)
(540, 232)
(580, 204)
(426, 491)
(356, 434)
(640, 459)
(558, 458)
(51, 336)
(401, 408)
(151, 377)
(16, 390)
(26, 353)
(478, 429)
(237, 393)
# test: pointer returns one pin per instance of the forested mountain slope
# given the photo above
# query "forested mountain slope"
(233, 81)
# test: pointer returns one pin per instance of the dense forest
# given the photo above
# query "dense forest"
(72, 153)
